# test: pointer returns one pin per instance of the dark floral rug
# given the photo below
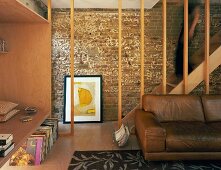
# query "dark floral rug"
(132, 160)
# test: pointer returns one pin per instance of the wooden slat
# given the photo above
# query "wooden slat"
(207, 43)
(185, 48)
(49, 20)
(72, 66)
(141, 50)
(119, 63)
(49, 11)
(164, 70)
(197, 76)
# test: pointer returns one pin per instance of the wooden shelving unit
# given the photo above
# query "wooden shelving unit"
(21, 131)
(23, 81)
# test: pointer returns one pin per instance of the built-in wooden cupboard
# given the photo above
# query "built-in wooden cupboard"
(25, 70)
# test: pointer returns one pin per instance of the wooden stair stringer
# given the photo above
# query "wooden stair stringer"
(197, 75)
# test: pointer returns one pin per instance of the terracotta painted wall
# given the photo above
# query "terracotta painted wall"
(96, 51)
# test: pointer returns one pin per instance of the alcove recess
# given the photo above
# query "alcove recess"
(25, 71)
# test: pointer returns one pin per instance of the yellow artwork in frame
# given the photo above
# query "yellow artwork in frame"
(87, 98)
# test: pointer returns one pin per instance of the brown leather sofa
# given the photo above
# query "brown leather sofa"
(179, 127)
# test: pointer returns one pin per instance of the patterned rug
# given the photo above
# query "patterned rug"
(132, 160)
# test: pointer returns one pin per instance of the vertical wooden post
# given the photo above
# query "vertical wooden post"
(185, 48)
(49, 11)
(72, 65)
(49, 20)
(164, 45)
(207, 43)
(119, 62)
(141, 50)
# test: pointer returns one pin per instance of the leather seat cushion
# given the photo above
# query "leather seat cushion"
(191, 136)
(169, 108)
(212, 107)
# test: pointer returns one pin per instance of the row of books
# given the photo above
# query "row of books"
(38, 145)
(6, 144)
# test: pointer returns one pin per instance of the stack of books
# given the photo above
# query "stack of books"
(6, 144)
(38, 145)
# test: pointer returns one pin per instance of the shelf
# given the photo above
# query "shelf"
(13, 11)
(3, 52)
(21, 131)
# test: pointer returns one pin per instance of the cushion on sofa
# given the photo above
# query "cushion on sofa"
(212, 107)
(174, 107)
(191, 136)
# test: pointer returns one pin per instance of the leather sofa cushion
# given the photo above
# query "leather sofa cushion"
(191, 136)
(174, 107)
(212, 107)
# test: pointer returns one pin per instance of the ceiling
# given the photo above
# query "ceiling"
(101, 3)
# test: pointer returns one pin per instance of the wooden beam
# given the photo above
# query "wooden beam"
(141, 51)
(72, 66)
(49, 20)
(164, 70)
(119, 63)
(49, 11)
(207, 43)
(185, 48)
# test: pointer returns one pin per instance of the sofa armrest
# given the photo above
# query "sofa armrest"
(151, 134)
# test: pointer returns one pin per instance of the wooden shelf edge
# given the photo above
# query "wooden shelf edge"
(3, 52)
(19, 139)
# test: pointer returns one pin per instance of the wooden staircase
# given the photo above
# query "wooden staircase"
(197, 75)
(194, 78)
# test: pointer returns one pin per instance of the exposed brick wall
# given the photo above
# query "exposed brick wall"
(96, 51)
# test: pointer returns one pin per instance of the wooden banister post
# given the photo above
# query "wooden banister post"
(185, 48)
(119, 63)
(207, 43)
(141, 50)
(164, 69)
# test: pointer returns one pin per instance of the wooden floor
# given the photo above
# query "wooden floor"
(86, 137)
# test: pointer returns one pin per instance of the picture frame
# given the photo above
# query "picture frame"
(87, 99)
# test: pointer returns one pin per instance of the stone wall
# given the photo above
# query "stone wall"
(96, 51)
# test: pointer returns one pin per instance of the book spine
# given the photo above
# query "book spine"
(38, 152)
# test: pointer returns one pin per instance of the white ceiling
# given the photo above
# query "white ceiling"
(101, 3)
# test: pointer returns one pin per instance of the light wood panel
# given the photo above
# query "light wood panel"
(25, 71)
(164, 70)
(12, 11)
(21, 131)
(141, 50)
(207, 43)
(72, 66)
(119, 62)
(185, 48)
(197, 76)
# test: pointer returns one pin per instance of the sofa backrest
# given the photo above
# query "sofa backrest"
(212, 107)
(174, 107)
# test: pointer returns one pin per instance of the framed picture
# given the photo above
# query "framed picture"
(87, 98)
